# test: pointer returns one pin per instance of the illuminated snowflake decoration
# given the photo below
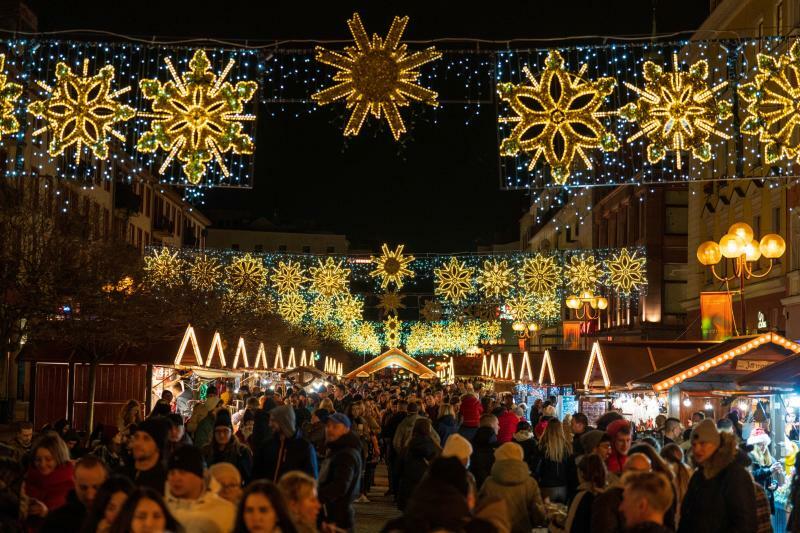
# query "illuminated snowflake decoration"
(9, 95)
(363, 339)
(453, 281)
(431, 311)
(495, 278)
(390, 302)
(677, 111)
(81, 110)
(539, 275)
(349, 309)
(547, 308)
(164, 268)
(197, 117)
(292, 307)
(321, 309)
(582, 273)
(288, 277)
(520, 307)
(392, 266)
(391, 331)
(773, 108)
(626, 271)
(205, 273)
(329, 279)
(557, 116)
(376, 77)
(246, 275)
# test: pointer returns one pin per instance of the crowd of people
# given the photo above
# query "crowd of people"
(458, 458)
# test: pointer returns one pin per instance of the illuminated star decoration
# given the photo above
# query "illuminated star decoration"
(292, 307)
(391, 331)
(329, 279)
(392, 266)
(376, 76)
(539, 275)
(349, 309)
(81, 110)
(431, 311)
(774, 105)
(164, 268)
(390, 302)
(558, 128)
(677, 111)
(582, 273)
(9, 94)
(547, 308)
(197, 117)
(246, 275)
(321, 309)
(520, 307)
(626, 271)
(205, 273)
(495, 278)
(288, 277)
(453, 281)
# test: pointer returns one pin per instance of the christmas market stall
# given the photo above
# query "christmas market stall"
(392, 358)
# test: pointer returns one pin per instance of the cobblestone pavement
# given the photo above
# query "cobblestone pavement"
(371, 517)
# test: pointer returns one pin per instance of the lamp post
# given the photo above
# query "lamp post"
(740, 247)
(525, 331)
(585, 303)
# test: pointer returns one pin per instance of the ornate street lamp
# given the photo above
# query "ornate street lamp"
(585, 303)
(739, 246)
(526, 331)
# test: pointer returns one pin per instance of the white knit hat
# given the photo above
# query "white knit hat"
(549, 411)
(457, 446)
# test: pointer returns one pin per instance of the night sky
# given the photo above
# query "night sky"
(438, 191)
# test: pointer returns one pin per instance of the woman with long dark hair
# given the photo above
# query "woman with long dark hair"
(263, 510)
(110, 499)
(145, 512)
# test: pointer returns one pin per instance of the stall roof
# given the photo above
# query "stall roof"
(569, 367)
(783, 374)
(391, 357)
(518, 371)
(754, 351)
(619, 362)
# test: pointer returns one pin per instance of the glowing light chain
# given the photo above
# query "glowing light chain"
(9, 95)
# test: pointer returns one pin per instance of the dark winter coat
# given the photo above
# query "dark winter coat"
(421, 451)
(550, 473)
(287, 450)
(340, 481)
(720, 497)
(606, 515)
(482, 459)
(66, 519)
(446, 426)
(529, 447)
(155, 478)
(434, 506)
(235, 453)
(649, 527)
(581, 513)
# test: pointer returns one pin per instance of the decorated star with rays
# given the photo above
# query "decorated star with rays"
(392, 266)
(376, 76)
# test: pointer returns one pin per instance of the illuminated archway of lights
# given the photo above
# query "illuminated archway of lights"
(773, 109)
(197, 117)
(496, 278)
(392, 266)
(81, 110)
(677, 111)
(564, 121)
(376, 77)
(626, 271)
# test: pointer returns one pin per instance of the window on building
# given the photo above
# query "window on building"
(281, 247)
(779, 18)
(306, 249)
(259, 248)
(234, 246)
(330, 250)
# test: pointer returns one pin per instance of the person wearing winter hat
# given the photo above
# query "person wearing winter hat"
(340, 474)
(597, 442)
(721, 495)
(225, 448)
(524, 437)
(287, 450)
(510, 481)
(187, 497)
(147, 447)
(763, 466)
(458, 447)
(621, 439)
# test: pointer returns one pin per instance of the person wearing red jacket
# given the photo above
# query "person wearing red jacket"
(508, 421)
(49, 479)
(621, 437)
(470, 412)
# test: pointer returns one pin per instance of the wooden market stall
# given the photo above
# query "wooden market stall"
(394, 357)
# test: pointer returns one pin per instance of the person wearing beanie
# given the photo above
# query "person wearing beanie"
(510, 481)
(597, 442)
(177, 434)
(148, 444)
(524, 437)
(340, 474)
(621, 439)
(721, 495)
(286, 451)
(458, 447)
(188, 498)
(763, 465)
(226, 448)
